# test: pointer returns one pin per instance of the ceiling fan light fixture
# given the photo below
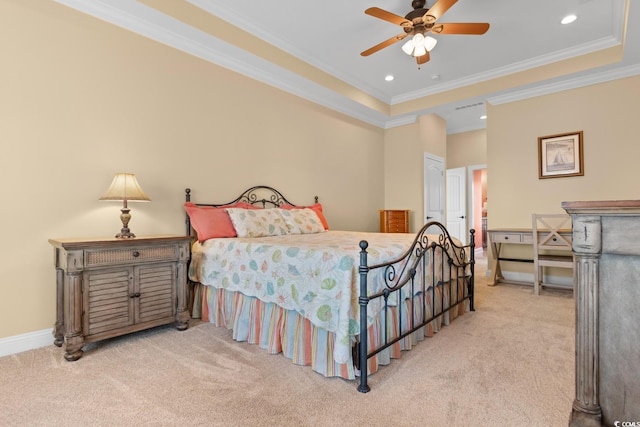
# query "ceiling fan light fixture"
(417, 23)
(408, 47)
(430, 43)
(419, 50)
(419, 45)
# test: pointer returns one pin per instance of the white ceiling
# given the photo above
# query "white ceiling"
(330, 35)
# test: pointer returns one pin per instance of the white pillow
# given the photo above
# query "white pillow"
(257, 222)
(302, 221)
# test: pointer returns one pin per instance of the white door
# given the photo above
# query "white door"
(457, 203)
(433, 189)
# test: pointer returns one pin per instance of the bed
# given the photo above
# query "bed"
(342, 302)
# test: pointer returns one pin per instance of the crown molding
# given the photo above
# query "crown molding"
(619, 7)
(401, 121)
(577, 82)
(150, 23)
(217, 9)
(517, 67)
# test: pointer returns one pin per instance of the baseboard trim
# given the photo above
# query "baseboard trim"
(23, 342)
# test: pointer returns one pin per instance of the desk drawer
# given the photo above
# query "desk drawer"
(506, 237)
(555, 241)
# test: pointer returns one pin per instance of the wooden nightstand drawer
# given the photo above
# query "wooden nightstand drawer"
(394, 221)
(93, 258)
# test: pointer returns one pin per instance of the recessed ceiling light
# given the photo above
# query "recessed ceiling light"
(483, 117)
(568, 19)
(389, 78)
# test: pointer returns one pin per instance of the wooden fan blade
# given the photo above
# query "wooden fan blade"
(376, 12)
(423, 59)
(384, 44)
(472, 28)
(437, 10)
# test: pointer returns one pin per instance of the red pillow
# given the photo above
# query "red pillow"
(243, 205)
(210, 221)
(317, 208)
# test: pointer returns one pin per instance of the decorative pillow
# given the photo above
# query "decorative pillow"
(257, 222)
(317, 208)
(244, 205)
(210, 221)
(302, 221)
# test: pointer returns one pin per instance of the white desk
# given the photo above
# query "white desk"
(511, 236)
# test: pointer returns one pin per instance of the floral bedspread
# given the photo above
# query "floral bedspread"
(314, 274)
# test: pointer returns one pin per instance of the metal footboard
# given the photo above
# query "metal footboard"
(418, 274)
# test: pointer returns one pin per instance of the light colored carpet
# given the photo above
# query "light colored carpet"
(511, 362)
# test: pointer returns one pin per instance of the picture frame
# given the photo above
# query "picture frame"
(561, 155)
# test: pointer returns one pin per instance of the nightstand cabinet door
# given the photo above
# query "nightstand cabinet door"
(394, 221)
(107, 303)
(156, 285)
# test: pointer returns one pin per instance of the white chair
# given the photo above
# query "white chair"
(551, 245)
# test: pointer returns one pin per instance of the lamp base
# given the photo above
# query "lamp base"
(127, 235)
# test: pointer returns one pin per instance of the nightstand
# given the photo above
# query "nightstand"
(394, 221)
(110, 287)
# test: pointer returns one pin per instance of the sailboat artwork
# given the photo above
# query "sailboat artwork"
(560, 155)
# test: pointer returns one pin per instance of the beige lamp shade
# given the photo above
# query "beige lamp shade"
(125, 187)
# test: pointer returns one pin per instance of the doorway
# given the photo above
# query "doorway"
(478, 203)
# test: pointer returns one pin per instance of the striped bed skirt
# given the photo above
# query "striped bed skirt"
(278, 330)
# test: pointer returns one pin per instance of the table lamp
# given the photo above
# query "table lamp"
(124, 188)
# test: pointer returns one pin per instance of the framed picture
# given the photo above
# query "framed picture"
(560, 156)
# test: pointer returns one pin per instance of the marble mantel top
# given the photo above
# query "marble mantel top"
(616, 207)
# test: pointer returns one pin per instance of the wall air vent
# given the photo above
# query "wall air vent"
(462, 107)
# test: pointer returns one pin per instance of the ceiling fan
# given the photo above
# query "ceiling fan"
(418, 23)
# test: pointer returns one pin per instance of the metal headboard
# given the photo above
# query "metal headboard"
(259, 194)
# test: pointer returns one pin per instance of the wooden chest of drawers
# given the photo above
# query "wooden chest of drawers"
(394, 221)
(110, 287)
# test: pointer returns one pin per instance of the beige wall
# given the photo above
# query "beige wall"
(607, 113)
(404, 151)
(82, 100)
(467, 149)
